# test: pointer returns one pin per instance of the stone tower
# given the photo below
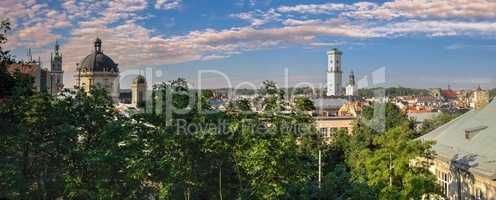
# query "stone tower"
(56, 72)
(334, 73)
(138, 91)
(351, 88)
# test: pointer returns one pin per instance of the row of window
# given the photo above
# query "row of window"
(445, 179)
(108, 84)
(328, 132)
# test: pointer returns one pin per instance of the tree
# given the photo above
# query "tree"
(304, 104)
(241, 105)
(6, 79)
(430, 124)
(383, 160)
(389, 168)
(338, 184)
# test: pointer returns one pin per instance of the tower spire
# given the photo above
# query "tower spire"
(351, 78)
(57, 47)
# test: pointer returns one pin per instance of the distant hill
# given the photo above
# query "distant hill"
(394, 92)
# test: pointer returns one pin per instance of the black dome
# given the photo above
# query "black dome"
(99, 62)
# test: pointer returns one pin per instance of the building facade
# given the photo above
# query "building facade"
(41, 77)
(465, 159)
(480, 98)
(334, 73)
(98, 70)
(138, 91)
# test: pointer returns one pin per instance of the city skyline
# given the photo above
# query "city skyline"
(422, 44)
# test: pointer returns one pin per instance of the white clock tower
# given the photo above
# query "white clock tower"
(334, 73)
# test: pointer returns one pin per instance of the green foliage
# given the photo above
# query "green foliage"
(304, 104)
(241, 105)
(394, 92)
(430, 124)
(338, 184)
(389, 168)
(383, 159)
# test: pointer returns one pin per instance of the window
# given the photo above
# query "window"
(444, 180)
(323, 132)
(479, 194)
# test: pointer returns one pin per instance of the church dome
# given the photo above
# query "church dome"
(98, 61)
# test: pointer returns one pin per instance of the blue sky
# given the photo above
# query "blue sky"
(421, 43)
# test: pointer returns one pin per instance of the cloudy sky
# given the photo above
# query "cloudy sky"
(422, 43)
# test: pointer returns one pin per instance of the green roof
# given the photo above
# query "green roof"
(469, 141)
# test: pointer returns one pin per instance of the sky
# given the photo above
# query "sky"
(420, 43)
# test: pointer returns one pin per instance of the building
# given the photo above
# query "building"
(56, 73)
(334, 73)
(351, 88)
(333, 114)
(138, 91)
(480, 98)
(44, 80)
(125, 96)
(328, 126)
(449, 94)
(465, 160)
(351, 108)
(328, 107)
(98, 70)
(41, 77)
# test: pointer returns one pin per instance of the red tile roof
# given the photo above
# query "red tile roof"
(448, 93)
(24, 68)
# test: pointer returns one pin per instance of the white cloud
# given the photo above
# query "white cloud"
(296, 22)
(333, 44)
(257, 17)
(315, 8)
(401, 8)
(437, 28)
(167, 4)
(214, 57)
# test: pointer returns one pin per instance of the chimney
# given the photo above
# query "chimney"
(472, 132)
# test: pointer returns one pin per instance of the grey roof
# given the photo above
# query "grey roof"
(99, 62)
(329, 103)
(421, 117)
(477, 153)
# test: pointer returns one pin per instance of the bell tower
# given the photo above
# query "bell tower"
(334, 73)
(56, 72)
